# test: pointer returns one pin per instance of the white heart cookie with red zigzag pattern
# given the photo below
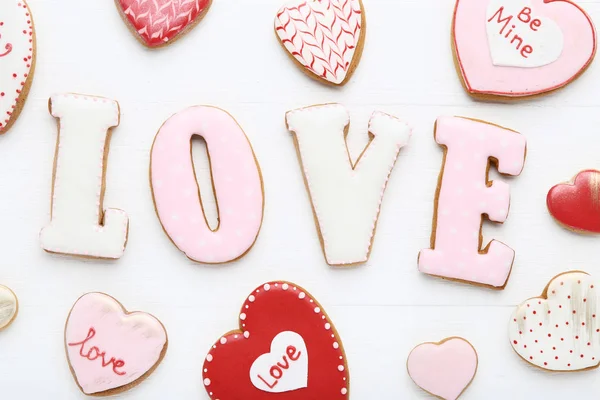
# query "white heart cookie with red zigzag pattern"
(325, 37)
(17, 59)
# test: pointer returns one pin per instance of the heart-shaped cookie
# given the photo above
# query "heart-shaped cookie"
(324, 37)
(9, 307)
(444, 369)
(559, 331)
(17, 59)
(520, 48)
(576, 205)
(109, 349)
(286, 344)
(160, 22)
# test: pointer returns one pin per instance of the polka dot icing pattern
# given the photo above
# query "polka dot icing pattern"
(285, 344)
(560, 330)
(79, 225)
(465, 194)
(346, 196)
(236, 178)
(17, 59)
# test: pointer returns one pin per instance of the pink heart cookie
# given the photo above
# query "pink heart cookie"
(109, 349)
(444, 369)
(520, 48)
(325, 37)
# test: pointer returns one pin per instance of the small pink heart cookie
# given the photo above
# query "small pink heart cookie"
(324, 37)
(444, 369)
(17, 59)
(519, 48)
(109, 349)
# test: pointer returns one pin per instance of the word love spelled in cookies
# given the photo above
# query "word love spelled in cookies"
(109, 349)
(465, 194)
(346, 195)
(79, 225)
(511, 49)
(17, 59)
(286, 347)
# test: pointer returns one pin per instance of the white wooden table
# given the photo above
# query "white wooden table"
(382, 309)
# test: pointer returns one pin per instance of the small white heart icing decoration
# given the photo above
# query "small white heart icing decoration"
(285, 368)
(517, 40)
(8, 307)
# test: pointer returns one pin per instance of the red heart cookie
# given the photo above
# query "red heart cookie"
(158, 22)
(520, 48)
(576, 205)
(286, 348)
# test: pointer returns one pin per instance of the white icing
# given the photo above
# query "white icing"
(562, 332)
(16, 55)
(505, 19)
(346, 200)
(277, 372)
(8, 306)
(78, 225)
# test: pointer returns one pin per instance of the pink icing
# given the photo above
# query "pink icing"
(474, 56)
(236, 178)
(444, 370)
(464, 196)
(108, 349)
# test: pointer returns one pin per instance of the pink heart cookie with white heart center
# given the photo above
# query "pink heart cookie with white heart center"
(325, 37)
(109, 349)
(443, 369)
(519, 48)
(17, 59)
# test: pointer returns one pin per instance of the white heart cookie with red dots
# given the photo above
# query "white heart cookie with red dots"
(17, 59)
(559, 331)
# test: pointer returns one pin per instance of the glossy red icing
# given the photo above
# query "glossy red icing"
(159, 21)
(576, 205)
(268, 311)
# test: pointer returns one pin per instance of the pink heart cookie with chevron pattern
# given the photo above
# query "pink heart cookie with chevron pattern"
(160, 22)
(325, 37)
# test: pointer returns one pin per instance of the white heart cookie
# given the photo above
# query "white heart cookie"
(9, 307)
(518, 37)
(559, 331)
(285, 368)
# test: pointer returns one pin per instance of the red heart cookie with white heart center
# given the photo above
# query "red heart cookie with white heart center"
(286, 348)
(159, 22)
(576, 205)
(17, 59)
(559, 331)
(325, 37)
(109, 349)
(520, 48)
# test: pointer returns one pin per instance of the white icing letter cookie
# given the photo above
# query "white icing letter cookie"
(464, 194)
(560, 330)
(346, 198)
(237, 184)
(79, 226)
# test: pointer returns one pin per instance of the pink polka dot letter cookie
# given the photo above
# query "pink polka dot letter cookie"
(559, 331)
(158, 23)
(518, 48)
(324, 37)
(109, 349)
(17, 59)
(286, 348)
(443, 369)
(346, 194)
(237, 184)
(465, 194)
